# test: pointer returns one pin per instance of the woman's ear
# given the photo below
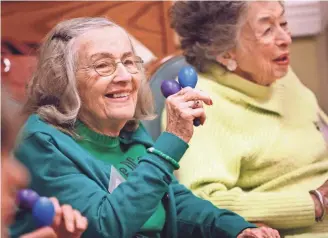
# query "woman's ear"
(228, 60)
(225, 57)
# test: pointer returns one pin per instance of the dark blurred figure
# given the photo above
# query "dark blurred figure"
(14, 176)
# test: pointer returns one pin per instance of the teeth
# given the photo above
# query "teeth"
(120, 95)
(281, 59)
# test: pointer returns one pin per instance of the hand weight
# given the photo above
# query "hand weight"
(187, 77)
(42, 209)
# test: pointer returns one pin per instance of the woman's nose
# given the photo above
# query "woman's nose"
(284, 38)
(122, 74)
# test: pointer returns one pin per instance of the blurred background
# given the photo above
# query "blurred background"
(24, 24)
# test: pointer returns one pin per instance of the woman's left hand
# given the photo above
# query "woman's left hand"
(261, 232)
(68, 222)
(44, 232)
(323, 189)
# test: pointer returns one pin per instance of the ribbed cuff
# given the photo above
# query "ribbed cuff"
(171, 145)
(276, 209)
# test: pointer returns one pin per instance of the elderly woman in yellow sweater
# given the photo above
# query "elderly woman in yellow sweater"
(263, 151)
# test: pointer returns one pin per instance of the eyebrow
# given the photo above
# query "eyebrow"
(268, 18)
(102, 55)
(127, 54)
(108, 55)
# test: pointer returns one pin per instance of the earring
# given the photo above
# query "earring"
(232, 65)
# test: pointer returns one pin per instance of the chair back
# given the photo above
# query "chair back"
(168, 70)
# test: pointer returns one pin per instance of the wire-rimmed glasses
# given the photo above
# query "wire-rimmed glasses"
(107, 66)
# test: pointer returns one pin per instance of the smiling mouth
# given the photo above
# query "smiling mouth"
(117, 95)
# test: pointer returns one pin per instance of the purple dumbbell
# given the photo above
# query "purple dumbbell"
(43, 210)
(170, 87)
(187, 77)
(27, 198)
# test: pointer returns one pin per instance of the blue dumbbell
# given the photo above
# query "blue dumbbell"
(187, 77)
(42, 209)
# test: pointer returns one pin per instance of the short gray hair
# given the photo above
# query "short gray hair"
(207, 28)
(52, 91)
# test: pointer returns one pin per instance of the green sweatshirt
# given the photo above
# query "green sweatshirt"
(124, 158)
(60, 167)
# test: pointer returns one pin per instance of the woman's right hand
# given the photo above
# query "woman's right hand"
(260, 232)
(323, 189)
(45, 232)
(68, 223)
(182, 108)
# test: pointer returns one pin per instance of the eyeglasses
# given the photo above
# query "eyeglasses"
(107, 66)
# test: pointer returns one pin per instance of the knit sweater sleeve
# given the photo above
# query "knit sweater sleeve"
(212, 167)
(204, 220)
(66, 174)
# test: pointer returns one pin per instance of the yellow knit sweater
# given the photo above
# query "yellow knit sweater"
(259, 152)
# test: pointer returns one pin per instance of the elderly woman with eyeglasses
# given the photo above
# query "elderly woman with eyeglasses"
(84, 144)
(266, 138)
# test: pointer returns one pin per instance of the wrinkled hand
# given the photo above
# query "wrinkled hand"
(68, 223)
(261, 232)
(323, 189)
(45, 232)
(182, 110)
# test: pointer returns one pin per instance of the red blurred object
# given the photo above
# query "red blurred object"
(18, 61)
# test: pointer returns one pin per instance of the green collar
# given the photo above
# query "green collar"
(100, 139)
(140, 136)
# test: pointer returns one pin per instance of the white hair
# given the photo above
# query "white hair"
(52, 91)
